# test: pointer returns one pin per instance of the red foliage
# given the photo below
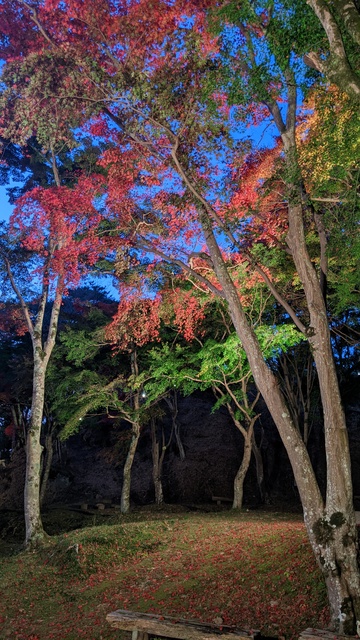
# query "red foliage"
(10, 430)
(184, 310)
(59, 225)
(135, 323)
(265, 209)
(12, 320)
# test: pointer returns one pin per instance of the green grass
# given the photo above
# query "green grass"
(255, 570)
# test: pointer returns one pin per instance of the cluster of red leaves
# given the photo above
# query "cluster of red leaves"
(12, 320)
(266, 207)
(59, 225)
(138, 318)
(129, 28)
(184, 311)
(136, 322)
(10, 430)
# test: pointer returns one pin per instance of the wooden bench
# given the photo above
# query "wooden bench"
(321, 634)
(143, 625)
(220, 499)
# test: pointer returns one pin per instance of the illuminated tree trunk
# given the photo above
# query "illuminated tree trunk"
(337, 66)
(242, 471)
(42, 349)
(135, 435)
(330, 526)
(125, 491)
(33, 523)
(333, 533)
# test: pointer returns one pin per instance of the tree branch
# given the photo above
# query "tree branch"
(148, 246)
(35, 19)
(18, 293)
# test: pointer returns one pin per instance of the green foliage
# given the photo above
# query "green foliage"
(215, 363)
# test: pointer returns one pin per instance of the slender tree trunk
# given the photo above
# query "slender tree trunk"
(46, 466)
(15, 431)
(336, 551)
(34, 529)
(125, 491)
(259, 465)
(173, 406)
(157, 459)
(242, 471)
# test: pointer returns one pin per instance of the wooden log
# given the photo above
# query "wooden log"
(169, 627)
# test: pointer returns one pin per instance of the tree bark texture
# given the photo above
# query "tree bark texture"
(41, 353)
(337, 67)
(33, 524)
(157, 458)
(125, 491)
(241, 473)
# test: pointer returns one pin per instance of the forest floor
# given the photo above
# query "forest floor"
(253, 569)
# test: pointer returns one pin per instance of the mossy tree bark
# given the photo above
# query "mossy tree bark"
(42, 349)
(337, 66)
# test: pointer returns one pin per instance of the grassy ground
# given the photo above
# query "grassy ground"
(255, 570)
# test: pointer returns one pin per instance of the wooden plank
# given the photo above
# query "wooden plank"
(320, 634)
(174, 627)
(139, 635)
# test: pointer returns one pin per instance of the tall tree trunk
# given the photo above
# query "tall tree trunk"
(336, 550)
(34, 529)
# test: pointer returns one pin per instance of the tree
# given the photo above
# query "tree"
(97, 380)
(161, 88)
(220, 365)
(47, 228)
